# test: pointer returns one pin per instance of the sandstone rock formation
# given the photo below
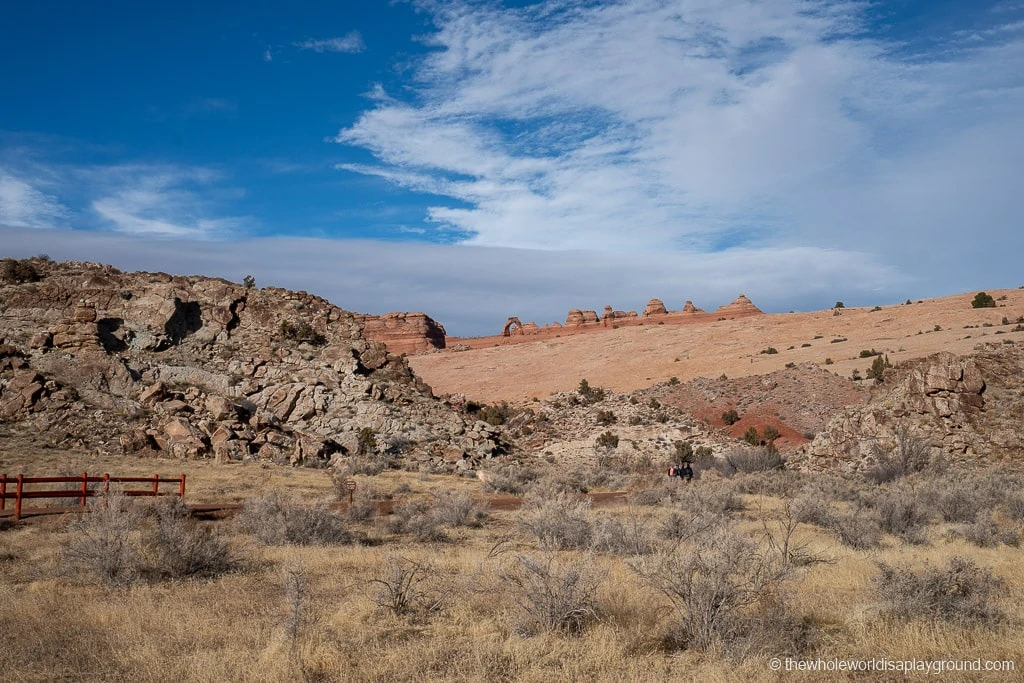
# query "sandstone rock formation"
(967, 407)
(200, 367)
(578, 318)
(740, 306)
(611, 316)
(688, 307)
(404, 332)
(654, 307)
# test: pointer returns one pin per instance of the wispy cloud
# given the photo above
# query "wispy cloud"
(350, 42)
(162, 201)
(22, 204)
(702, 125)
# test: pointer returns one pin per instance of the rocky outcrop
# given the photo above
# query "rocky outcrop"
(688, 307)
(404, 332)
(198, 367)
(654, 307)
(579, 318)
(740, 306)
(611, 316)
(969, 407)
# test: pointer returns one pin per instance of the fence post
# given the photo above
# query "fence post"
(17, 499)
(106, 484)
(181, 489)
(85, 488)
(3, 491)
(156, 484)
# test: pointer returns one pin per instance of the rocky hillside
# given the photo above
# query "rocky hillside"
(94, 358)
(969, 408)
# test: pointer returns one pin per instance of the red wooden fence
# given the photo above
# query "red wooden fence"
(84, 491)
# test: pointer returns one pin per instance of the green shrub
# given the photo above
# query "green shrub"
(589, 394)
(16, 272)
(606, 417)
(608, 441)
(771, 350)
(983, 300)
(730, 417)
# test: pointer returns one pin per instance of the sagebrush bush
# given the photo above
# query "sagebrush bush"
(105, 541)
(628, 534)
(987, 532)
(458, 509)
(552, 595)
(902, 513)
(750, 459)
(417, 517)
(180, 547)
(408, 587)
(961, 593)
(559, 521)
(857, 528)
(904, 455)
(714, 587)
(275, 519)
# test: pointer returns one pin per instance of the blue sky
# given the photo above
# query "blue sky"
(481, 159)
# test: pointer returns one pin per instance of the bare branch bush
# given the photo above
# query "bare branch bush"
(552, 595)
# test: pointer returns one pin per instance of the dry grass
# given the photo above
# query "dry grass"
(309, 612)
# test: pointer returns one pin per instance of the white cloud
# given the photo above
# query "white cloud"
(23, 205)
(652, 124)
(160, 201)
(350, 42)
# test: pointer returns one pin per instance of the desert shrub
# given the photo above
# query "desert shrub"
(418, 518)
(839, 304)
(552, 595)
(688, 522)
(751, 436)
(770, 433)
(718, 588)
(901, 513)
(607, 441)
(510, 479)
(407, 587)
(13, 271)
(628, 534)
(904, 455)
(558, 520)
(684, 451)
(673, 381)
(713, 497)
(961, 593)
(300, 332)
(458, 509)
(878, 367)
(868, 353)
(776, 483)
(497, 414)
(986, 532)
(750, 459)
(958, 499)
(580, 479)
(983, 300)
(364, 503)
(105, 542)
(179, 547)
(119, 542)
(856, 528)
(275, 519)
(812, 507)
(605, 418)
(589, 395)
(248, 282)
(771, 350)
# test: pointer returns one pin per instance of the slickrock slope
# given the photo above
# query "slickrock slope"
(634, 357)
(968, 407)
(192, 367)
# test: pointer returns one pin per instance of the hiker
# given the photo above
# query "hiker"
(686, 473)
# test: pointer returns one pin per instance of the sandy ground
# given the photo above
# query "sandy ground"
(636, 357)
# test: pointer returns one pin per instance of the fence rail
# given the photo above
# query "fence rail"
(83, 491)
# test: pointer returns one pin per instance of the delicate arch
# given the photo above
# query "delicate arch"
(511, 324)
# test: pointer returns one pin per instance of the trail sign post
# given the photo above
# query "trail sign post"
(350, 486)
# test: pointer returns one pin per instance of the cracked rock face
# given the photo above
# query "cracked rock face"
(201, 367)
(968, 407)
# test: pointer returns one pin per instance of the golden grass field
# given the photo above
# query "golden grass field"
(247, 625)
